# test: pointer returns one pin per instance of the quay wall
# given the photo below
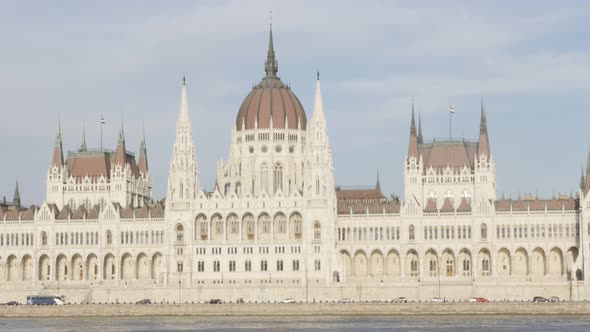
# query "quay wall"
(299, 309)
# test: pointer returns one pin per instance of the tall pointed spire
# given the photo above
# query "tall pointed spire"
(16, 197)
(58, 155)
(143, 162)
(122, 132)
(183, 103)
(588, 165)
(120, 154)
(413, 146)
(83, 144)
(484, 141)
(271, 67)
(420, 138)
(318, 105)
(378, 183)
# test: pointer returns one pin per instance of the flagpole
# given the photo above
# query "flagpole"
(451, 111)
(101, 123)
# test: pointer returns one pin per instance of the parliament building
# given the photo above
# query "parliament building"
(276, 225)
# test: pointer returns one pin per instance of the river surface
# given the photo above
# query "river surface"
(308, 323)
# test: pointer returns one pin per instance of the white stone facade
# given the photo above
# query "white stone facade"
(275, 227)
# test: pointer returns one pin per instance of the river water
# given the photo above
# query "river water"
(308, 323)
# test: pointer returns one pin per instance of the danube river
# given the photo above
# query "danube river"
(308, 323)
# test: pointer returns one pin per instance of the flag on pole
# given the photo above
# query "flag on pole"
(451, 109)
(102, 121)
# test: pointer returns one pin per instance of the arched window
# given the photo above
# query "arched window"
(278, 177)
(109, 237)
(179, 233)
(412, 235)
(264, 178)
(316, 230)
(484, 231)
(43, 238)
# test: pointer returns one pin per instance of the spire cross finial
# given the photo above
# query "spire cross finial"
(183, 80)
(318, 73)
(270, 18)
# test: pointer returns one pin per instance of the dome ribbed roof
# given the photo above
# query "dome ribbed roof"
(271, 99)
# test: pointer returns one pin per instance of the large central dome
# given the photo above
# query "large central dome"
(271, 103)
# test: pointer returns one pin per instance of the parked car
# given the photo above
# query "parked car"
(554, 299)
(144, 301)
(12, 303)
(437, 300)
(400, 299)
(240, 300)
(539, 299)
(478, 300)
(288, 301)
(344, 300)
(215, 301)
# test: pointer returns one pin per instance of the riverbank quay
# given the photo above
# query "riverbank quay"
(298, 309)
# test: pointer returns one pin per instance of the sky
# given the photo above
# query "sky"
(78, 60)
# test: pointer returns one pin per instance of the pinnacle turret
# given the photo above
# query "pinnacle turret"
(413, 145)
(58, 155)
(83, 144)
(378, 183)
(420, 138)
(16, 197)
(143, 162)
(271, 66)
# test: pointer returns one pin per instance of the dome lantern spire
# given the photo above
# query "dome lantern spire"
(271, 67)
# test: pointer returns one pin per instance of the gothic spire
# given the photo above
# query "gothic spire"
(413, 146)
(83, 144)
(483, 127)
(58, 155)
(413, 124)
(16, 198)
(271, 67)
(120, 154)
(122, 132)
(183, 103)
(378, 183)
(420, 138)
(588, 165)
(143, 162)
(484, 141)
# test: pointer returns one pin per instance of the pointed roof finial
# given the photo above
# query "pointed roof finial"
(271, 66)
(83, 144)
(318, 74)
(122, 132)
(378, 183)
(413, 124)
(183, 80)
(588, 164)
(16, 198)
(483, 122)
(420, 138)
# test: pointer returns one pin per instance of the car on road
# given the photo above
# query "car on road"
(288, 301)
(478, 300)
(144, 301)
(400, 299)
(539, 299)
(437, 300)
(215, 301)
(554, 299)
(345, 300)
(12, 303)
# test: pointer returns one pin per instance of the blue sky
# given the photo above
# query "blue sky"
(529, 60)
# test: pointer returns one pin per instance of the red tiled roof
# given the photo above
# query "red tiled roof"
(359, 194)
(569, 203)
(94, 164)
(447, 206)
(431, 206)
(448, 153)
(464, 206)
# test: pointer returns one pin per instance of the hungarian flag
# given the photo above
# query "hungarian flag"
(451, 109)
(102, 121)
